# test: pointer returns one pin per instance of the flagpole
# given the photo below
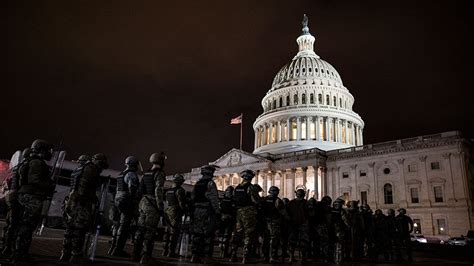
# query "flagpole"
(241, 122)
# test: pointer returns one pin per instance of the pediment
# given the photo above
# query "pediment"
(236, 157)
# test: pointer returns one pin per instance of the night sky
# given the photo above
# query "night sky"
(132, 77)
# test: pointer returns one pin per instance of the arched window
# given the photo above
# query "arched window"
(287, 100)
(387, 194)
(281, 101)
(320, 98)
(303, 98)
(311, 98)
(327, 99)
(274, 104)
(295, 99)
(334, 100)
(340, 102)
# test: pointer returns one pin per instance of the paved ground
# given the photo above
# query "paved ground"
(46, 250)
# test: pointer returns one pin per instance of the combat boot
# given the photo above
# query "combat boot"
(196, 259)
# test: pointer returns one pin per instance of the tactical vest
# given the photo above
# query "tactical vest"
(76, 176)
(149, 183)
(171, 197)
(226, 206)
(37, 182)
(241, 195)
(87, 185)
(200, 189)
(269, 208)
(121, 184)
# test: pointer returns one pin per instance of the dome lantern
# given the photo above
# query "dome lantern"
(305, 41)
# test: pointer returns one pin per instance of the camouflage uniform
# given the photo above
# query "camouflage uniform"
(368, 234)
(176, 198)
(405, 227)
(273, 211)
(323, 214)
(205, 214)
(227, 223)
(149, 214)
(35, 186)
(299, 230)
(11, 199)
(355, 223)
(337, 230)
(127, 185)
(246, 200)
(380, 235)
(285, 232)
(392, 233)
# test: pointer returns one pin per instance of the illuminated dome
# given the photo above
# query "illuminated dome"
(307, 106)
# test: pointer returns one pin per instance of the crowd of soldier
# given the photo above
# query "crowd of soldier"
(269, 227)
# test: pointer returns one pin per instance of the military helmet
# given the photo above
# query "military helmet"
(26, 152)
(158, 158)
(131, 161)
(247, 174)
(101, 160)
(378, 212)
(83, 158)
(209, 170)
(312, 202)
(353, 205)
(402, 211)
(229, 191)
(326, 200)
(300, 193)
(286, 201)
(274, 191)
(42, 148)
(391, 212)
(178, 179)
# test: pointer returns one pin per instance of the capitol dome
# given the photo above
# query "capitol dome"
(307, 106)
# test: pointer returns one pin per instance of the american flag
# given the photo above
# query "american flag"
(237, 120)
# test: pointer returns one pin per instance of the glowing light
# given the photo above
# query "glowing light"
(441, 229)
(415, 225)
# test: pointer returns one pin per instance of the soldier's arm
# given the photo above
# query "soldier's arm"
(410, 221)
(254, 196)
(213, 196)
(181, 195)
(159, 189)
(131, 179)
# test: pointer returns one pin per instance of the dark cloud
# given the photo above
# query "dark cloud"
(134, 78)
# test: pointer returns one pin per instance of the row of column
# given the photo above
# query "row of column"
(309, 128)
(312, 177)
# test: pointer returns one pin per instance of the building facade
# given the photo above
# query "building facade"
(308, 136)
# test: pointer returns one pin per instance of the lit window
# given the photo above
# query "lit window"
(322, 132)
(343, 134)
(414, 195)
(438, 193)
(294, 130)
(274, 128)
(284, 133)
(417, 226)
(388, 194)
(345, 175)
(435, 166)
(313, 130)
(362, 173)
(412, 168)
(363, 197)
(303, 130)
(346, 196)
(441, 226)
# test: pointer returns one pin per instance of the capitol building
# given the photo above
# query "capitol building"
(309, 135)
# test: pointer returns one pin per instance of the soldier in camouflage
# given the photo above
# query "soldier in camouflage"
(323, 214)
(35, 186)
(205, 214)
(285, 232)
(227, 223)
(337, 230)
(11, 199)
(149, 212)
(80, 207)
(405, 228)
(274, 212)
(247, 201)
(355, 222)
(380, 235)
(299, 230)
(392, 232)
(126, 195)
(176, 198)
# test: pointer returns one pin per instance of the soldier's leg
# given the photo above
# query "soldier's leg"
(237, 236)
(176, 230)
(274, 241)
(122, 234)
(266, 241)
(250, 223)
(30, 218)
(67, 244)
(138, 244)
(407, 243)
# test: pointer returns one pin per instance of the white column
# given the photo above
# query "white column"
(308, 128)
(255, 144)
(292, 180)
(346, 129)
(338, 130)
(278, 131)
(283, 183)
(298, 128)
(326, 123)
(270, 133)
(305, 175)
(288, 129)
(361, 137)
(353, 133)
(315, 181)
(265, 181)
(316, 125)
